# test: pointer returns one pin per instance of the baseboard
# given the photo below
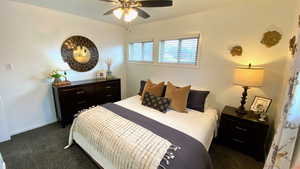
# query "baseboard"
(32, 127)
(4, 139)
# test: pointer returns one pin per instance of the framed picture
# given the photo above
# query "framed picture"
(260, 104)
(101, 75)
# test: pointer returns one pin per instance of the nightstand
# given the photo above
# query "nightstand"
(243, 132)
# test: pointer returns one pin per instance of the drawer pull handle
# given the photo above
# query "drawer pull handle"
(239, 141)
(241, 129)
(67, 90)
(80, 92)
(108, 87)
(109, 95)
(81, 102)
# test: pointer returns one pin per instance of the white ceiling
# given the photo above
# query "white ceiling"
(95, 8)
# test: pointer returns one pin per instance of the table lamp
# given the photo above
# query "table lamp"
(247, 77)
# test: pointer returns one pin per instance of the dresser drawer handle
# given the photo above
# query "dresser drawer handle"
(109, 95)
(108, 87)
(239, 141)
(67, 90)
(241, 129)
(81, 102)
(80, 92)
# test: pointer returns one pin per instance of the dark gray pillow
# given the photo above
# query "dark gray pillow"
(159, 103)
(197, 99)
(142, 86)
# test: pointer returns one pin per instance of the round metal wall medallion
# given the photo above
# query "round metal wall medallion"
(80, 53)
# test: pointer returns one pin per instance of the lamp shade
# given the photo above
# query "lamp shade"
(250, 77)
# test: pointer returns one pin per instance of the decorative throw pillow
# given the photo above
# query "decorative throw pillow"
(154, 89)
(178, 96)
(159, 103)
(142, 86)
(196, 100)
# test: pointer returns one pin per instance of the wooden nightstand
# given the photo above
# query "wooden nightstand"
(243, 132)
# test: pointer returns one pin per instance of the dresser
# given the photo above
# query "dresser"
(83, 94)
(243, 133)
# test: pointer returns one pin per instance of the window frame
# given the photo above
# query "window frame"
(143, 42)
(156, 50)
(180, 39)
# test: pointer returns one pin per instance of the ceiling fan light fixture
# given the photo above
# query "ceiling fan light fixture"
(118, 13)
(130, 15)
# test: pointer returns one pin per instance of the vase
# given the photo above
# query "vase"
(108, 73)
(56, 81)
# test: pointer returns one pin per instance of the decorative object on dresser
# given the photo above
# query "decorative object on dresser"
(101, 74)
(56, 75)
(260, 106)
(247, 77)
(243, 132)
(83, 94)
(108, 62)
(80, 53)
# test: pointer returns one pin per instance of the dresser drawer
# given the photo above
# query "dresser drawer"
(82, 95)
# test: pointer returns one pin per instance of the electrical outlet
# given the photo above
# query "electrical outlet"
(9, 67)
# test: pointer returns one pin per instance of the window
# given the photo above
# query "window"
(141, 52)
(181, 51)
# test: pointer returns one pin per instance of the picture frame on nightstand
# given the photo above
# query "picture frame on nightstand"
(261, 104)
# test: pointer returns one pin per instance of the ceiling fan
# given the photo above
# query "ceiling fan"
(130, 9)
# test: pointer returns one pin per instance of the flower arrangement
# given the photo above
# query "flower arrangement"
(108, 62)
(55, 74)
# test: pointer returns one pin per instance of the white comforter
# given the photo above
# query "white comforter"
(201, 126)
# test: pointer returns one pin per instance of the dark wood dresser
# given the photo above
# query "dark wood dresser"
(83, 94)
(243, 132)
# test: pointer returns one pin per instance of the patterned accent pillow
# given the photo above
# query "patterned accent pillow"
(159, 103)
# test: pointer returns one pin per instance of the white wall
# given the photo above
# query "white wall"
(240, 23)
(31, 38)
(4, 132)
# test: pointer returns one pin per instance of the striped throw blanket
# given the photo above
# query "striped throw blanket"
(126, 144)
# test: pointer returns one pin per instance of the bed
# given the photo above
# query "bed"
(200, 126)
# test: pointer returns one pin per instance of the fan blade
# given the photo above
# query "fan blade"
(142, 13)
(110, 11)
(155, 3)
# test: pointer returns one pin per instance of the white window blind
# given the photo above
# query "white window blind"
(181, 51)
(141, 52)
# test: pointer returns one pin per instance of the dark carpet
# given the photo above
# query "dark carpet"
(43, 148)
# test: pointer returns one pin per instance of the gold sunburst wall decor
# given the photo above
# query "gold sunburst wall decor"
(236, 50)
(271, 38)
(293, 45)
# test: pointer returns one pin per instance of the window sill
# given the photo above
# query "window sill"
(174, 65)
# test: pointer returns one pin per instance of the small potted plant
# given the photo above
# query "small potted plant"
(56, 76)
